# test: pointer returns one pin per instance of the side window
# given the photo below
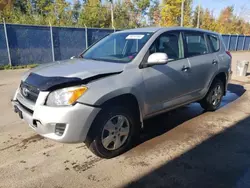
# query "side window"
(214, 42)
(168, 43)
(195, 43)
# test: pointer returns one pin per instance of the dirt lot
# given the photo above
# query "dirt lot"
(183, 148)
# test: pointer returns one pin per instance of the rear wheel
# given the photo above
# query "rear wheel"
(112, 132)
(214, 96)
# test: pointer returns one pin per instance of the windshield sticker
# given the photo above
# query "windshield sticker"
(134, 36)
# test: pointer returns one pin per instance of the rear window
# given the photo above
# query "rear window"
(196, 44)
(215, 43)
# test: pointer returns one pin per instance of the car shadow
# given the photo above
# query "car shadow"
(223, 160)
(161, 124)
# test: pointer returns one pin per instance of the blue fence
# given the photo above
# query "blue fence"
(3, 48)
(33, 44)
(237, 42)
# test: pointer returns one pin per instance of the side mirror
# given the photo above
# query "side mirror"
(157, 59)
(73, 57)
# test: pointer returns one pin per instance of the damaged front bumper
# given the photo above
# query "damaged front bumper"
(63, 124)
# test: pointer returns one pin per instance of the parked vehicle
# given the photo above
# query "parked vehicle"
(103, 96)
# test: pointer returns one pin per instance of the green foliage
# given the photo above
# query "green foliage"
(95, 14)
(171, 13)
(8, 67)
(188, 13)
(76, 11)
(127, 14)
(121, 15)
(154, 12)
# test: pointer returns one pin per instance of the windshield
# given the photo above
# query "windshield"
(118, 47)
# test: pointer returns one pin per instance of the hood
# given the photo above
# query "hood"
(80, 68)
(44, 77)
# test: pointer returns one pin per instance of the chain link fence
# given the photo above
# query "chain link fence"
(30, 44)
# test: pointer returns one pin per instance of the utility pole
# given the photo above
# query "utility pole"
(182, 12)
(199, 12)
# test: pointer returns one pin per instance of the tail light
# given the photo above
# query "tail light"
(228, 53)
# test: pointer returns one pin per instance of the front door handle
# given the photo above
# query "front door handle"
(185, 68)
(214, 62)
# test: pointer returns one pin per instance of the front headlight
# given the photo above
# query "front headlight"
(65, 96)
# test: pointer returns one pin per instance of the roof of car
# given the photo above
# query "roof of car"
(155, 29)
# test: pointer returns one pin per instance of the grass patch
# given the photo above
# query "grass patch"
(8, 67)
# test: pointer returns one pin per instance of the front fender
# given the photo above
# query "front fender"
(113, 86)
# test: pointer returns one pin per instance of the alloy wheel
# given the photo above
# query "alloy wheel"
(115, 132)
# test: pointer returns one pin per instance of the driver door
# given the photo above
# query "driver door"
(166, 85)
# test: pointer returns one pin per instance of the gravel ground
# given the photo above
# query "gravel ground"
(182, 148)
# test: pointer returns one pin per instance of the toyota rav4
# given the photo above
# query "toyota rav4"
(102, 96)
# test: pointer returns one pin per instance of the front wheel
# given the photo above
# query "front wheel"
(214, 96)
(112, 132)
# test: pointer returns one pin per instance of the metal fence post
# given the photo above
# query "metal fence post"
(236, 44)
(7, 42)
(52, 42)
(86, 36)
(229, 41)
(248, 45)
(244, 40)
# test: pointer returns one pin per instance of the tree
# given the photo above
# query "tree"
(208, 21)
(195, 16)
(94, 14)
(127, 14)
(42, 7)
(57, 13)
(4, 3)
(76, 11)
(137, 9)
(188, 13)
(121, 16)
(171, 13)
(21, 5)
(154, 12)
(224, 22)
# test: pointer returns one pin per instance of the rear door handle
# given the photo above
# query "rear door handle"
(185, 68)
(214, 62)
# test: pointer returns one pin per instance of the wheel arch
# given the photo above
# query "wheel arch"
(125, 99)
(223, 76)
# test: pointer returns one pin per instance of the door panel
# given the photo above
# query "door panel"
(166, 84)
(203, 63)
(203, 69)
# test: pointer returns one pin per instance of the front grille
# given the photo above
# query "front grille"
(29, 92)
(24, 107)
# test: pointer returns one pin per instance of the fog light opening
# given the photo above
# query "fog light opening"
(60, 128)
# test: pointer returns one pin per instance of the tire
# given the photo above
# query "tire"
(208, 103)
(101, 127)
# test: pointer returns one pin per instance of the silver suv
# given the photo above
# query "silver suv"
(102, 96)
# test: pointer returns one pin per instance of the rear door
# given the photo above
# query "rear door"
(203, 61)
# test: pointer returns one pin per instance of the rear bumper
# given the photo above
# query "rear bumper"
(44, 120)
